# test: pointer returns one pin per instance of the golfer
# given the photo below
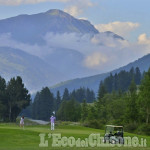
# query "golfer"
(22, 122)
(52, 120)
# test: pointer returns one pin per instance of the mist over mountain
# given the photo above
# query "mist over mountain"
(68, 60)
(93, 82)
(53, 46)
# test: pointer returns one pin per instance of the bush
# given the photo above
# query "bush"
(97, 124)
(144, 129)
(131, 127)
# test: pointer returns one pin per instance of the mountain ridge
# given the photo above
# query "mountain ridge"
(32, 28)
(92, 82)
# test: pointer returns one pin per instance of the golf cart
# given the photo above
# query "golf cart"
(114, 134)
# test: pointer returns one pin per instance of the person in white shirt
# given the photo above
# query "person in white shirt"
(22, 122)
(52, 120)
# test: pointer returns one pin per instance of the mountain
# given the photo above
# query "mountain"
(92, 82)
(143, 63)
(32, 28)
(40, 50)
(34, 71)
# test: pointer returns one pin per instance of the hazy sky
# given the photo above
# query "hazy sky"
(128, 18)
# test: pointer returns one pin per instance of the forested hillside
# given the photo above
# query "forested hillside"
(121, 99)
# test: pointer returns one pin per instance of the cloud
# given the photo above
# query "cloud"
(120, 28)
(6, 40)
(95, 59)
(73, 10)
(108, 40)
(102, 52)
(143, 39)
(19, 2)
(76, 8)
(83, 18)
(77, 41)
(144, 42)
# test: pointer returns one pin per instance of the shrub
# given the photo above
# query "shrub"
(131, 127)
(144, 129)
(97, 124)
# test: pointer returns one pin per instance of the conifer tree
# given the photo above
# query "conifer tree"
(58, 100)
(84, 110)
(132, 110)
(66, 95)
(144, 96)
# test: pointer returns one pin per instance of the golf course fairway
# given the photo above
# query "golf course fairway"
(12, 137)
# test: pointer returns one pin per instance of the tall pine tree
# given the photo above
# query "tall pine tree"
(66, 95)
(132, 109)
(58, 100)
(18, 97)
(144, 97)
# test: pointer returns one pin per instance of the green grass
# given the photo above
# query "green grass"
(12, 137)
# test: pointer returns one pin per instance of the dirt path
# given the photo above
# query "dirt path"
(39, 121)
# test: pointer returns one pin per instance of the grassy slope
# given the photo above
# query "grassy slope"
(14, 138)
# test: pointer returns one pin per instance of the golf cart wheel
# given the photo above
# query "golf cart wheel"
(113, 142)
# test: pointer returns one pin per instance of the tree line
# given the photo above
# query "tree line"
(45, 103)
(123, 99)
(129, 107)
(79, 95)
(122, 80)
(13, 98)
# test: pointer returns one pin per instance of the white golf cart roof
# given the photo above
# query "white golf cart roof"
(114, 126)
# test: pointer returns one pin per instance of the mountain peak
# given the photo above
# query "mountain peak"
(56, 12)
